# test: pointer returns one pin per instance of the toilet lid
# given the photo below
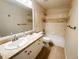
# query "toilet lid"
(46, 39)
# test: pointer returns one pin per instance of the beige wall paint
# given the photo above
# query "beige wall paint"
(38, 16)
(57, 13)
(71, 35)
(18, 16)
(56, 22)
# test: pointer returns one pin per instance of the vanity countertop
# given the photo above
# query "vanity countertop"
(6, 54)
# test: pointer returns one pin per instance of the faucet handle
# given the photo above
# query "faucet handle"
(15, 38)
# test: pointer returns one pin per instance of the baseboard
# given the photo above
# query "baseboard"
(65, 53)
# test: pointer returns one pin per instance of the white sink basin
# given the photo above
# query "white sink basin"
(11, 46)
(16, 44)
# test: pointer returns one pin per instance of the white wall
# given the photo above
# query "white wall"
(71, 35)
(18, 16)
(38, 16)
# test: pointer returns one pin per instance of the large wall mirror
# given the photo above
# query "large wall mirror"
(15, 16)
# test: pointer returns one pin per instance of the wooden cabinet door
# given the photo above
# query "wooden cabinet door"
(26, 51)
(35, 49)
(32, 51)
(39, 46)
(22, 55)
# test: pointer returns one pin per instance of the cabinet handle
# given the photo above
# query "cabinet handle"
(28, 53)
(38, 43)
(39, 40)
(25, 51)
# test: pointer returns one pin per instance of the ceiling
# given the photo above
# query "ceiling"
(14, 2)
(48, 4)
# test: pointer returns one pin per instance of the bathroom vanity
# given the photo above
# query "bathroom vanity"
(29, 50)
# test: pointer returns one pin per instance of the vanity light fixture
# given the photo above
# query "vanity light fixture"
(27, 3)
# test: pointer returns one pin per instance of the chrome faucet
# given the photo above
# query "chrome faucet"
(15, 38)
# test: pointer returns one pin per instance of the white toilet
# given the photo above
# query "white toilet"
(54, 39)
(46, 41)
